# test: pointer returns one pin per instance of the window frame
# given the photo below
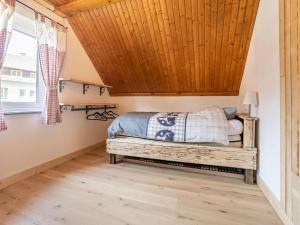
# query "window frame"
(28, 107)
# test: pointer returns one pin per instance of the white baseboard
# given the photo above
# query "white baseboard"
(44, 166)
(273, 201)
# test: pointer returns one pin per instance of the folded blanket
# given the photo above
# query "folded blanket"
(208, 125)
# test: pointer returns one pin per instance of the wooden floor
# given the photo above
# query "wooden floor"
(89, 191)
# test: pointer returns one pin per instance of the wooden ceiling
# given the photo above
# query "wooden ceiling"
(165, 47)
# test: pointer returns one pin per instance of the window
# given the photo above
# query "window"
(16, 73)
(32, 93)
(32, 74)
(22, 92)
(20, 73)
(4, 93)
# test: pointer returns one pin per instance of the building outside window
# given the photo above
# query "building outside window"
(21, 83)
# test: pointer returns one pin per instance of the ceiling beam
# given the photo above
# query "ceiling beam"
(76, 6)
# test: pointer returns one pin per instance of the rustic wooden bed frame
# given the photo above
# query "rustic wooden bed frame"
(244, 157)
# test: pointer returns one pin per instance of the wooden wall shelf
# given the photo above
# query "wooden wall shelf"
(85, 85)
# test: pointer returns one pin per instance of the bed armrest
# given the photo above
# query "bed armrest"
(249, 133)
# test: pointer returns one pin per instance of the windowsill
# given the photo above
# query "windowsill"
(19, 112)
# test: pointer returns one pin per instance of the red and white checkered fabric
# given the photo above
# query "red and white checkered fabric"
(51, 47)
(7, 8)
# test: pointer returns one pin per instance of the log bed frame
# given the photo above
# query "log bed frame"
(244, 157)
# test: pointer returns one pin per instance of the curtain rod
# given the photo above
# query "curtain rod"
(27, 6)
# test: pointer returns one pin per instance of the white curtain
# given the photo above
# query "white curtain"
(7, 8)
(52, 48)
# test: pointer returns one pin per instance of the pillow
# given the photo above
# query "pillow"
(230, 112)
(235, 127)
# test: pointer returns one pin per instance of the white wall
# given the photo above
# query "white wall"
(28, 142)
(175, 104)
(262, 74)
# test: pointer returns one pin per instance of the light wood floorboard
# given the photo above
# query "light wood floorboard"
(89, 191)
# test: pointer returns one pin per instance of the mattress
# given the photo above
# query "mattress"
(235, 140)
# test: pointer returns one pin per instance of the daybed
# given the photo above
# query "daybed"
(243, 157)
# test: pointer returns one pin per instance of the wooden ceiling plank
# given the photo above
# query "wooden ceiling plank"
(168, 25)
(184, 34)
(75, 6)
(130, 64)
(138, 30)
(158, 32)
(175, 45)
(230, 43)
(195, 33)
(237, 41)
(127, 41)
(173, 7)
(224, 45)
(219, 37)
(162, 78)
(153, 61)
(112, 37)
(152, 41)
(213, 30)
(201, 10)
(172, 78)
(138, 45)
(190, 45)
(131, 23)
(134, 51)
(170, 44)
(130, 38)
(148, 65)
(207, 58)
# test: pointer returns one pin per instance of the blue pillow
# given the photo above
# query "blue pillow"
(230, 112)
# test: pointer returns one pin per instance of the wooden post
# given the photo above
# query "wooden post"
(250, 176)
(249, 131)
(112, 159)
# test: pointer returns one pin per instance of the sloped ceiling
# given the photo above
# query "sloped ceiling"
(165, 47)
